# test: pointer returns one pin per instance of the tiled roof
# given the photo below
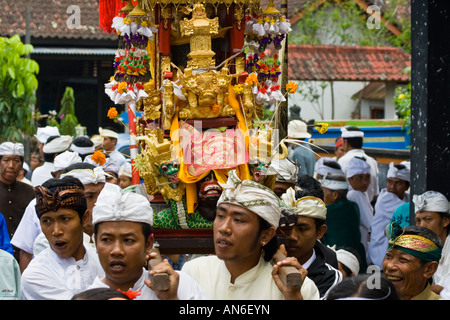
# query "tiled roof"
(347, 63)
(49, 17)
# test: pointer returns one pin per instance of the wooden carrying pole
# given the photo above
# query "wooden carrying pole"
(290, 276)
(160, 280)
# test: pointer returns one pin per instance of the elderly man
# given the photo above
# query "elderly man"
(303, 240)
(124, 239)
(352, 138)
(244, 228)
(287, 175)
(432, 212)
(411, 260)
(390, 198)
(109, 145)
(67, 266)
(14, 195)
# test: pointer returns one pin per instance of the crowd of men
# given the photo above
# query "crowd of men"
(71, 228)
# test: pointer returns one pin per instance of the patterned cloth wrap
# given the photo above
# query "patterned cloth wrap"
(71, 197)
(415, 245)
(252, 196)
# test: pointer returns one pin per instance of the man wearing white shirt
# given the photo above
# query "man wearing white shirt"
(109, 145)
(352, 142)
(247, 217)
(394, 195)
(432, 211)
(67, 266)
(54, 146)
(123, 238)
(358, 176)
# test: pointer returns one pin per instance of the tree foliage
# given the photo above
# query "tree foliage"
(344, 22)
(67, 113)
(18, 83)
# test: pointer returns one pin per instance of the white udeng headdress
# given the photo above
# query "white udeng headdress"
(87, 176)
(112, 205)
(286, 170)
(65, 159)
(11, 149)
(357, 166)
(312, 207)
(252, 196)
(58, 144)
(403, 174)
(351, 133)
(432, 201)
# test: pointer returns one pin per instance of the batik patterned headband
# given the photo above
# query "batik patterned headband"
(71, 197)
(417, 246)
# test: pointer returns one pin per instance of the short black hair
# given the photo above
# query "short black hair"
(332, 164)
(100, 294)
(272, 246)
(82, 141)
(79, 165)
(358, 287)
(309, 187)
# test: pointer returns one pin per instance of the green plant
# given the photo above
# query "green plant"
(402, 102)
(18, 83)
(67, 113)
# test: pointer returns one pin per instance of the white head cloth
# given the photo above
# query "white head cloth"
(65, 159)
(252, 196)
(348, 259)
(82, 150)
(97, 140)
(112, 205)
(357, 166)
(286, 170)
(328, 183)
(111, 166)
(43, 133)
(11, 149)
(403, 174)
(323, 169)
(431, 201)
(307, 206)
(351, 134)
(108, 133)
(126, 170)
(59, 144)
(87, 176)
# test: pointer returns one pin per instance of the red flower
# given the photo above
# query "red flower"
(131, 294)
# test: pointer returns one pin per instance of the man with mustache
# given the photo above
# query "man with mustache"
(411, 260)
